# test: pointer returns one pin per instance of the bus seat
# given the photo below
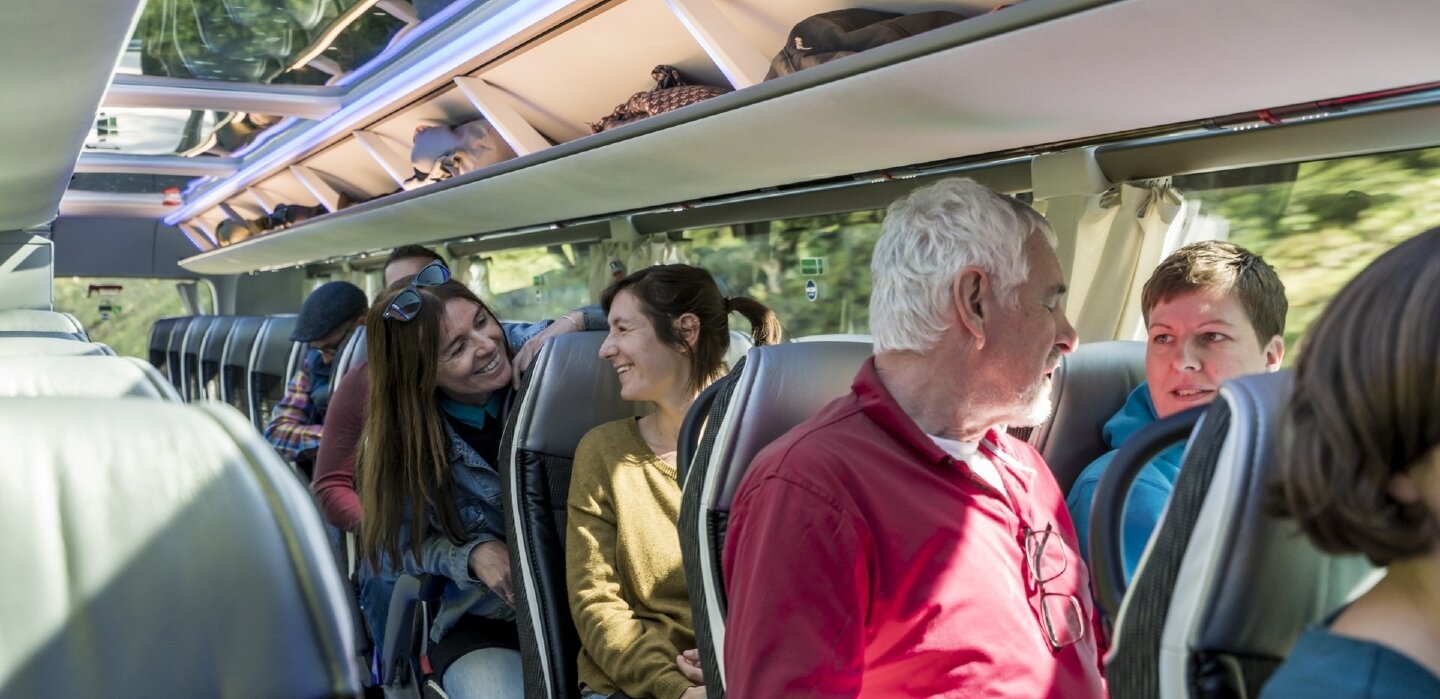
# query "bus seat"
(212, 347)
(1089, 387)
(24, 322)
(774, 389)
(187, 562)
(160, 341)
(51, 346)
(740, 343)
(173, 347)
(235, 362)
(1224, 590)
(72, 376)
(190, 357)
(269, 371)
(568, 393)
(351, 355)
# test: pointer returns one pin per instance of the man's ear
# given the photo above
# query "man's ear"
(970, 299)
(687, 326)
(1274, 353)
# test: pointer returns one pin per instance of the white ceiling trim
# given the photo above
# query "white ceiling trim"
(141, 91)
(156, 164)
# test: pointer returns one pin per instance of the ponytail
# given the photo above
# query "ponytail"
(764, 324)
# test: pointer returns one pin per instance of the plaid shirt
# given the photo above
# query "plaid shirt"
(290, 430)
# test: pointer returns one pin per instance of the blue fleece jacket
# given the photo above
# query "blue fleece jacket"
(1149, 492)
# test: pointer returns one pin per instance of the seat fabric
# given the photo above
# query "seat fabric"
(167, 553)
(21, 322)
(270, 367)
(569, 392)
(235, 362)
(1089, 387)
(72, 376)
(1224, 590)
(24, 346)
(776, 388)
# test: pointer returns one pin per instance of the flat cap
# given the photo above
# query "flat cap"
(326, 308)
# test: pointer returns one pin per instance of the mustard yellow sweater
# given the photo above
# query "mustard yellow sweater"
(622, 561)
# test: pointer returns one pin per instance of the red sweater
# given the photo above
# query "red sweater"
(864, 561)
(334, 483)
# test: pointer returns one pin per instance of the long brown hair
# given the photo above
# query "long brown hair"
(1366, 407)
(400, 460)
(666, 292)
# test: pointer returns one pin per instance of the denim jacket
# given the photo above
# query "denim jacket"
(477, 489)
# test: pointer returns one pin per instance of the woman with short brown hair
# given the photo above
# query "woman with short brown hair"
(1360, 473)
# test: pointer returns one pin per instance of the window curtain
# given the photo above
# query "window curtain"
(611, 260)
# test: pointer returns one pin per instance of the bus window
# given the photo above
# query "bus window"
(1319, 223)
(531, 283)
(123, 320)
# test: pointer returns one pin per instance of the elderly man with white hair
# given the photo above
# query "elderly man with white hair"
(901, 543)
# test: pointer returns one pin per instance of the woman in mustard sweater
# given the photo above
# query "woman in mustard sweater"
(669, 331)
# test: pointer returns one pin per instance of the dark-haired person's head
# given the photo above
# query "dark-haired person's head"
(327, 318)
(1213, 311)
(406, 261)
(1360, 446)
(670, 329)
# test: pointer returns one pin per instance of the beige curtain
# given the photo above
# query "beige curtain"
(1118, 238)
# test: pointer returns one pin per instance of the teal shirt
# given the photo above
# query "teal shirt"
(1330, 666)
(1148, 493)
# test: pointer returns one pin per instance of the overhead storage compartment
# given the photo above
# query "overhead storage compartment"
(1041, 72)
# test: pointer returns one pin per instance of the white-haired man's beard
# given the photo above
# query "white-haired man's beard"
(1033, 406)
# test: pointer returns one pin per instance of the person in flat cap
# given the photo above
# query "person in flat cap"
(327, 319)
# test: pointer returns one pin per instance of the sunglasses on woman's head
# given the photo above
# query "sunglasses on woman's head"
(407, 303)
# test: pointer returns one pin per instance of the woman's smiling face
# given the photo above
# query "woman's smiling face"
(649, 369)
(474, 361)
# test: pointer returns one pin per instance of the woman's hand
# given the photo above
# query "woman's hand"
(526, 356)
(689, 664)
(490, 564)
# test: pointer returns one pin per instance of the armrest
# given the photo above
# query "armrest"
(400, 648)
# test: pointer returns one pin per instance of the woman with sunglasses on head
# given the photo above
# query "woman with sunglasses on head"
(1359, 471)
(669, 330)
(441, 370)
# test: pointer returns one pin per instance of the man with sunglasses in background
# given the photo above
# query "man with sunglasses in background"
(900, 543)
(327, 319)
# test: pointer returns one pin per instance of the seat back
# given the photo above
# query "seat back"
(26, 346)
(235, 362)
(190, 356)
(270, 360)
(173, 349)
(1089, 387)
(25, 322)
(776, 388)
(160, 342)
(351, 355)
(212, 349)
(568, 393)
(77, 376)
(190, 562)
(1224, 590)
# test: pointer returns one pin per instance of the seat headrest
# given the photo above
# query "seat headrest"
(740, 343)
(351, 355)
(71, 376)
(22, 321)
(167, 552)
(1089, 387)
(571, 390)
(779, 387)
(23, 346)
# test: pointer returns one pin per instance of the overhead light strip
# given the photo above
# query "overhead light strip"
(446, 58)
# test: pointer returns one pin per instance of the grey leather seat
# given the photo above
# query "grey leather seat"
(1089, 387)
(160, 343)
(235, 362)
(173, 348)
(79, 376)
(351, 355)
(24, 322)
(187, 562)
(24, 346)
(1224, 590)
(776, 388)
(195, 334)
(570, 390)
(212, 348)
(271, 362)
